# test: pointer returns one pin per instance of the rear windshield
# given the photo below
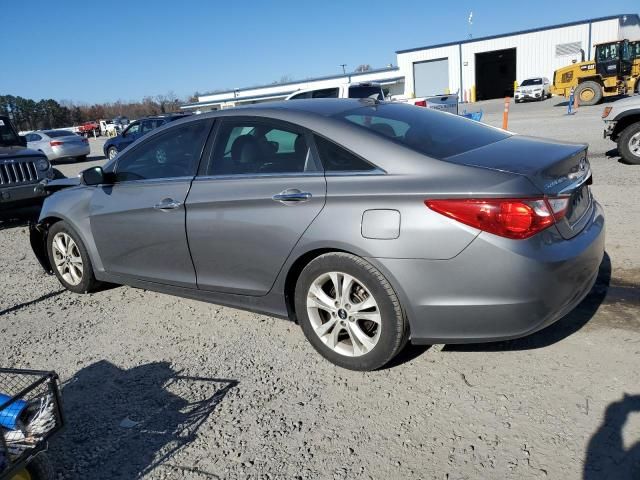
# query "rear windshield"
(436, 134)
(366, 92)
(8, 137)
(59, 133)
(532, 81)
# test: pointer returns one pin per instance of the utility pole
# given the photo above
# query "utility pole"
(344, 71)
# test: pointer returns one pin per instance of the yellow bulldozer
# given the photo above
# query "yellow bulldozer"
(614, 71)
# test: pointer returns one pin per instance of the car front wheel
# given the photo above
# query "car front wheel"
(349, 312)
(69, 259)
(629, 143)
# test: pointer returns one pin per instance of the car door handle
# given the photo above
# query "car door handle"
(167, 204)
(292, 195)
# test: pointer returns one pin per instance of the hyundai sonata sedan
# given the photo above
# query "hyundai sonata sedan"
(368, 223)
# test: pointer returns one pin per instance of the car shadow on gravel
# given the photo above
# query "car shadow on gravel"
(125, 423)
(558, 331)
(606, 455)
(19, 218)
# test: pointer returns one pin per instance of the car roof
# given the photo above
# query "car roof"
(323, 107)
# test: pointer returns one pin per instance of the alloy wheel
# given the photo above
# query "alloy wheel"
(112, 153)
(67, 258)
(344, 314)
(634, 144)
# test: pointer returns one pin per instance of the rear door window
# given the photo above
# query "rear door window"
(254, 147)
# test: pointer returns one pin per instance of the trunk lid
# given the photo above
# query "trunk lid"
(557, 169)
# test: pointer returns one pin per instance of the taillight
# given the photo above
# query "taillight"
(55, 143)
(515, 218)
(421, 103)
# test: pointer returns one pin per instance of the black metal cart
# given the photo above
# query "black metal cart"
(30, 414)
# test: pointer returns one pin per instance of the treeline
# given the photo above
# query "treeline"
(27, 114)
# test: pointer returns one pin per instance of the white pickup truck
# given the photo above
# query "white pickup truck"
(447, 103)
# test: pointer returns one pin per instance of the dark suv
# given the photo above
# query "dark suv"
(21, 170)
(135, 130)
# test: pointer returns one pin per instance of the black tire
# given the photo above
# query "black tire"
(394, 331)
(587, 89)
(88, 282)
(624, 143)
(111, 149)
(40, 468)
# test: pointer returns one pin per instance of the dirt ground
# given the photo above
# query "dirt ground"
(161, 387)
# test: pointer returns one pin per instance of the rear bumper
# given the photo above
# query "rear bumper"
(498, 289)
(68, 152)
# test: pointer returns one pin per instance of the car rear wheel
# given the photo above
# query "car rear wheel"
(589, 93)
(349, 312)
(629, 143)
(69, 259)
(112, 152)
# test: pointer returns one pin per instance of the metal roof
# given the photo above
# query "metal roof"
(522, 32)
(306, 80)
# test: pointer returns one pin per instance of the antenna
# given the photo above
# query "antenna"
(470, 21)
(343, 69)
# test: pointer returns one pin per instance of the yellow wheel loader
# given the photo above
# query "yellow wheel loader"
(610, 73)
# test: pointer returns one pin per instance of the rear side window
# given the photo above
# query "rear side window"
(363, 91)
(326, 93)
(436, 134)
(337, 159)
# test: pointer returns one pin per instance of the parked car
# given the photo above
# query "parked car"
(537, 88)
(59, 144)
(622, 125)
(21, 170)
(345, 90)
(369, 223)
(134, 131)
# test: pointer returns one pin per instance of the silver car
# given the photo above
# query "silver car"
(59, 144)
(368, 223)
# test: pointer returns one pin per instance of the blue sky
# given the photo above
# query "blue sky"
(86, 52)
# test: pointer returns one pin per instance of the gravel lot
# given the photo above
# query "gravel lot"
(161, 387)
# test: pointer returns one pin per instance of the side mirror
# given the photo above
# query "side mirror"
(23, 140)
(93, 176)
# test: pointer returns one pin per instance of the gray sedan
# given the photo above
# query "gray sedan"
(368, 223)
(59, 144)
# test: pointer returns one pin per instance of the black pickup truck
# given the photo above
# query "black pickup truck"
(23, 172)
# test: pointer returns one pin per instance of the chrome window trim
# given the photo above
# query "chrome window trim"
(259, 175)
(147, 181)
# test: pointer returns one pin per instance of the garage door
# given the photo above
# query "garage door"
(431, 78)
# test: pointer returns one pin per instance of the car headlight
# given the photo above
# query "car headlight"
(42, 164)
(606, 112)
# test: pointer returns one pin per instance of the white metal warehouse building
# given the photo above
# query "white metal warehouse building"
(477, 68)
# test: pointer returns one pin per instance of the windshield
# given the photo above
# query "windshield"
(59, 133)
(8, 136)
(634, 49)
(608, 52)
(362, 91)
(436, 134)
(531, 81)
